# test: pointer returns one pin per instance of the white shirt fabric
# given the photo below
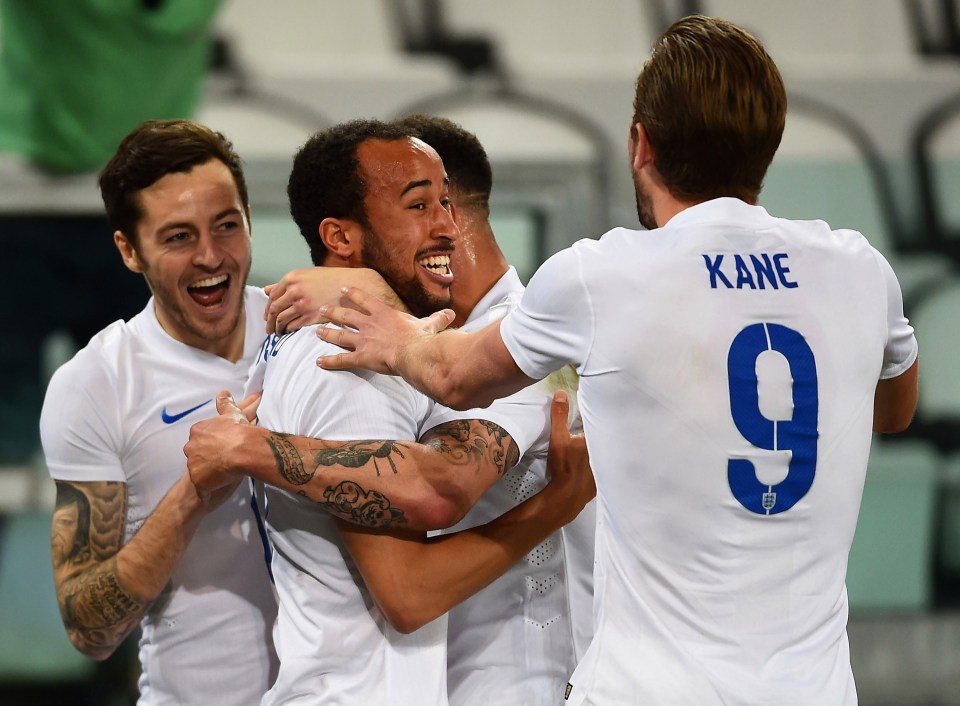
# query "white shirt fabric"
(720, 584)
(515, 642)
(121, 410)
(335, 646)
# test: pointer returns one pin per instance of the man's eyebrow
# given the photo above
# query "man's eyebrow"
(186, 224)
(415, 185)
(424, 182)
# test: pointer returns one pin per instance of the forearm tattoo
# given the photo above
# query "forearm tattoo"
(352, 454)
(369, 508)
(87, 532)
(462, 443)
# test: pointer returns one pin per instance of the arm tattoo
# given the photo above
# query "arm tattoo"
(288, 460)
(369, 508)
(87, 531)
(462, 442)
(348, 499)
(293, 467)
(474, 442)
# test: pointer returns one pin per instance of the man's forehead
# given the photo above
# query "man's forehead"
(394, 163)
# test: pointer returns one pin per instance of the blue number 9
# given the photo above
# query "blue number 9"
(797, 435)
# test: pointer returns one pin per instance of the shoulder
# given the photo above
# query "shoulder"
(96, 363)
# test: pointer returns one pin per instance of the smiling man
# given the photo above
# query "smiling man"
(128, 544)
(361, 607)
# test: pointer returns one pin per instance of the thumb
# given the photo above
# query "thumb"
(225, 403)
(559, 409)
(440, 320)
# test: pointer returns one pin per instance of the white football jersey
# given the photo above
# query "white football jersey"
(121, 410)
(335, 646)
(515, 642)
(728, 366)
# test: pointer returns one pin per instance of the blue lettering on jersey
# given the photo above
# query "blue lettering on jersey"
(271, 346)
(799, 434)
(749, 272)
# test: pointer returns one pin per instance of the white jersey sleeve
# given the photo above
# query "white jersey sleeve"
(553, 324)
(901, 349)
(79, 426)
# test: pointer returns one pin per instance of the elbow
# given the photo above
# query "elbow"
(408, 615)
(442, 501)
(453, 391)
(892, 424)
(407, 624)
(442, 512)
(99, 653)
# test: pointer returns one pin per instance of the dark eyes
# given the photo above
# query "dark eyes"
(225, 227)
(420, 206)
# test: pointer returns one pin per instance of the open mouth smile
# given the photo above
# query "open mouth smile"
(210, 291)
(438, 265)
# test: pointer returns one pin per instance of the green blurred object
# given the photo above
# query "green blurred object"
(77, 76)
(891, 561)
(33, 643)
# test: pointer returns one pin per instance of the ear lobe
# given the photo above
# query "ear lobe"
(642, 150)
(127, 252)
(341, 237)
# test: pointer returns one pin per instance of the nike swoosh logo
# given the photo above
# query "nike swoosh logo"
(171, 418)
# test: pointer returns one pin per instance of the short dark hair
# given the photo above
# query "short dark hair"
(326, 182)
(713, 105)
(465, 160)
(148, 153)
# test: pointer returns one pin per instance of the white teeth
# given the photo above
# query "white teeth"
(209, 281)
(436, 262)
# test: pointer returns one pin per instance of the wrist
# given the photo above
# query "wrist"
(186, 500)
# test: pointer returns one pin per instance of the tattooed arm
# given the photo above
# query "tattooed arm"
(414, 580)
(103, 588)
(382, 483)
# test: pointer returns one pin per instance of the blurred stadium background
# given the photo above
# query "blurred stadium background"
(872, 143)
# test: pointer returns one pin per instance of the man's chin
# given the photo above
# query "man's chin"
(423, 302)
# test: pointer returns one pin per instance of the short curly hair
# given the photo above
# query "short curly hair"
(465, 160)
(326, 182)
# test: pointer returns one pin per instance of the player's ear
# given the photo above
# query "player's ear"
(342, 237)
(641, 151)
(128, 252)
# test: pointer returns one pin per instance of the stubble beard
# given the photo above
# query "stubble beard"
(411, 291)
(644, 205)
(206, 331)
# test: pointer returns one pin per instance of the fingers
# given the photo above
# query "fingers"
(249, 405)
(225, 403)
(281, 300)
(559, 425)
(226, 407)
(341, 337)
(361, 300)
(339, 361)
(439, 320)
(202, 493)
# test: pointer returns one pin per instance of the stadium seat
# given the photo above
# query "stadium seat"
(344, 60)
(828, 168)
(891, 560)
(33, 644)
